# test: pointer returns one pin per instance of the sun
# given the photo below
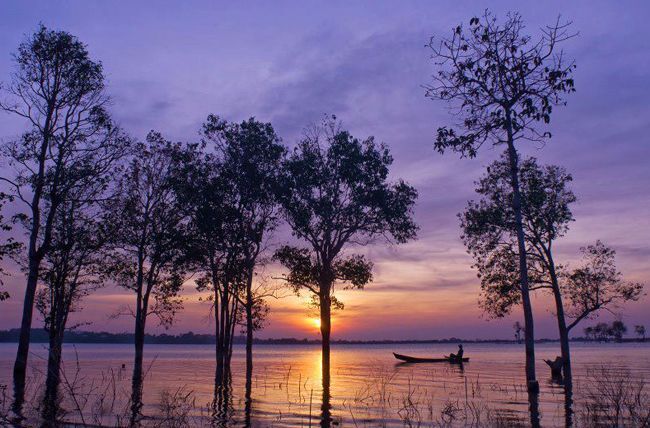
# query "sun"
(315, 322)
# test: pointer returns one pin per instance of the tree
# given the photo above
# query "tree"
(489, 231)
(490, 234)
(59, 91)
(518, 330)
(640, 331)
(597, 284)
(250, 155)
(72, 269)
(214, 249)
(601, 331)
(149, 238)
(503, 84)
(617, 330)
(335, 194)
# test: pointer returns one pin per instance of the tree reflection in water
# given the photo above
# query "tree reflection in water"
(221, 406)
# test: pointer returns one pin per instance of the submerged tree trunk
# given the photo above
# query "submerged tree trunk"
(20, 365)
(249, 322)
(325, 330)
(53, 378)
(563, 330)
(137, 379)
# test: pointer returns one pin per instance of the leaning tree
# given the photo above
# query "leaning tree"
(336, 194)
(59, 91)
(502, 83)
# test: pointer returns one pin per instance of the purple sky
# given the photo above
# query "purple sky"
(169, 64)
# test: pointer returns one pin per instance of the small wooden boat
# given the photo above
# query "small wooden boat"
(408, 359)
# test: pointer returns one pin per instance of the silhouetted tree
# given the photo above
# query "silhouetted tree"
(597, 284)
(59, 91)
(250, 154)
(72, 269)
(601, 331)
(617, 330)
(518, 330)
(215, 248)
(503, 83)
(336, 193)
(640, 331)
(149, 236)
(490, 234)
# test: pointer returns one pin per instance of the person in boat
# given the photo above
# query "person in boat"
(458, 355)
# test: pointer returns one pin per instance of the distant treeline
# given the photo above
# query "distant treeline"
(190, 338)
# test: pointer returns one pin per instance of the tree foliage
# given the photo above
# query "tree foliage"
(335, 192)
(489, 229)
(500, 80)
(597, 284)
(149, 230)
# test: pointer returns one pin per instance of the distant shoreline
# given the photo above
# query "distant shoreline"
(190, 338)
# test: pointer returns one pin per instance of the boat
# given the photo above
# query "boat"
(408, 359)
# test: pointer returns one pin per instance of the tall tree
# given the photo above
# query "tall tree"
(149, 236)
(210, 204)
(336, 194)
(490, 234)
(251, 154)
(503, 83)
(59, 91)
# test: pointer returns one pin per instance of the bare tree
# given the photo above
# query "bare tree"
(502, 83)
(59, 91)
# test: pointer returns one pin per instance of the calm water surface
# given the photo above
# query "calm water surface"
(368, 386)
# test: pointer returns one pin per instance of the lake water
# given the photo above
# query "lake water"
(368, 386)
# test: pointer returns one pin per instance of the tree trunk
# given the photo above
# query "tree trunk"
(529, 332)
(137, 379)
(562, 328)
(53, 378)
(249, 323)
(325, 329)
(20, 365)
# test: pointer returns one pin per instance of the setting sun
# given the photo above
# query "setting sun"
(314, 322)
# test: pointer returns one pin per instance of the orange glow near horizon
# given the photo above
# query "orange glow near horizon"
(314, 322)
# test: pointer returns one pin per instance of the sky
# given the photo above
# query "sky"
(169, 64)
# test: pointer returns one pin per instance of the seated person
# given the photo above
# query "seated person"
(457, 356)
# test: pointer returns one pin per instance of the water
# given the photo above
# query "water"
(368, 386)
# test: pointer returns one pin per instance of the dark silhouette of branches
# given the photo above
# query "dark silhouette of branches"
(501, 83)
(335, 193)
(70, 141)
